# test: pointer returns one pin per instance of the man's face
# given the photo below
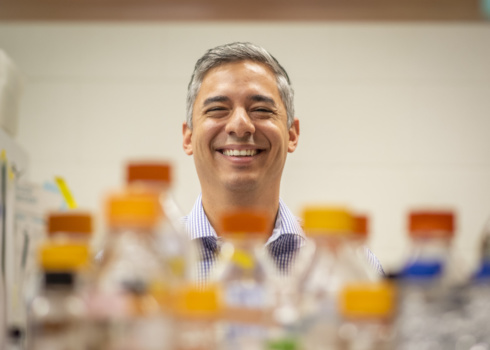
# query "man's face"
(240, 137)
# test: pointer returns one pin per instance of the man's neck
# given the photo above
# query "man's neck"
(215, 205)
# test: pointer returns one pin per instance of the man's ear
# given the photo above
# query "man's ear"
(187, 139)
(293, 136)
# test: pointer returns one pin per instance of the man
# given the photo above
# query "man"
(240, 127)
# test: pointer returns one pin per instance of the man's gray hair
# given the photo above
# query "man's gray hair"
(239, 51)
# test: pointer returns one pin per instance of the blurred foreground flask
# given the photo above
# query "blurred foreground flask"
(130, 292)
(478, 302)
(483, 269)
(156, 176)
(241, 273)
(426, 282)
(367, 316)
(57, 315)
(172, 241)
(62, 227)
(73, 227)
(335, 264)
(431, 233)
(197, 311)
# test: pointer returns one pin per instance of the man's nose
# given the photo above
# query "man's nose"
(240, 123)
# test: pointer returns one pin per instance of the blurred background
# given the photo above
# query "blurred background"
(393, 99)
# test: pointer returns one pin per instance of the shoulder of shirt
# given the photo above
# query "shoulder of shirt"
(196, 222)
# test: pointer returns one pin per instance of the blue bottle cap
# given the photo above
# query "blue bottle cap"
(422, 270)
(483, 273)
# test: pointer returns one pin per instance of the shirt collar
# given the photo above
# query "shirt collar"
(198, 225)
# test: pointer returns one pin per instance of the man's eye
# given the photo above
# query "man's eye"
(262, 110)
(215, 109)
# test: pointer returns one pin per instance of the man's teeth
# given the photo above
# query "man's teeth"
(240, 153)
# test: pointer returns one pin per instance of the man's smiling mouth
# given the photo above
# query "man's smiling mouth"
(240, 153)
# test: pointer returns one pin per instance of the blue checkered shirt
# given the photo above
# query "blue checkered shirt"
(287, 237)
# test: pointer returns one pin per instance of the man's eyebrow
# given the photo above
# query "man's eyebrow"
(219, 98)
(262, 98)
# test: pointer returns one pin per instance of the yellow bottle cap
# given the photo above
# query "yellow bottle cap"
(63, 257)
(198, 301)
(324, 220)
(368, 300)
(139, 209)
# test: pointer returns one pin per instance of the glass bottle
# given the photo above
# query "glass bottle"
(367, 316)
(130, 293)
(478, 303)
(57, 315)
(196, 315)
(427, 281)
(62, 227)
(173, 243)
(241, 273)
(334, 264)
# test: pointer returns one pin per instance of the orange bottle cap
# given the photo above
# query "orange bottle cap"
(244, 221)
(321, 220)
(70, 222)
(133, 209)
(431, 223)
(361, 223)
(149, 171)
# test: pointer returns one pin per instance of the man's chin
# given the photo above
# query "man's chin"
(241, 185)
